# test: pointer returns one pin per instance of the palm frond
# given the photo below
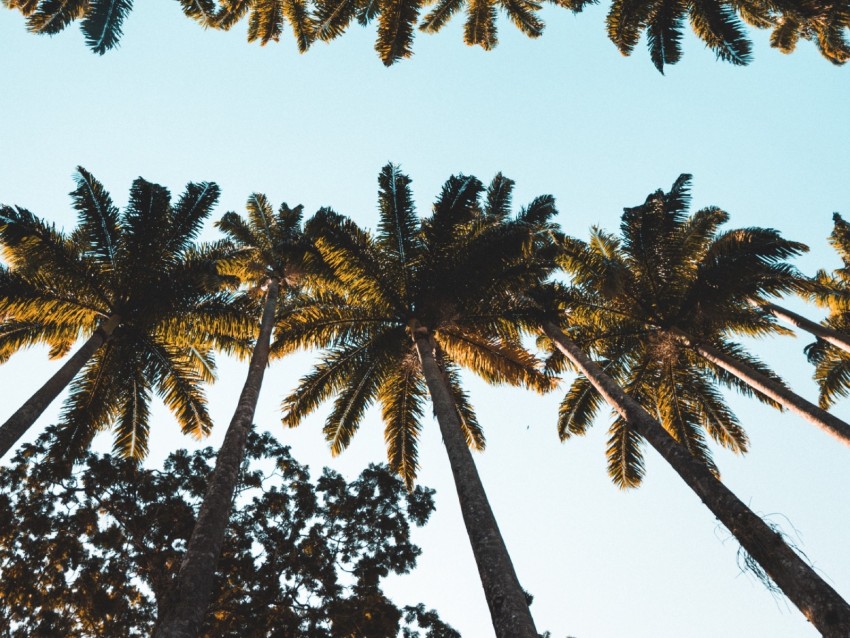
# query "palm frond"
(494, 360)
(396, 26)
(437, 18)
(132, 427)
(402, 395)
(625, 457)
(52, 16)
(102, 24)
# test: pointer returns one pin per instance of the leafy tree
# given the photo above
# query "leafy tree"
(660, 305)
(718, 23)
(148, 300)
(268, 253)
(95, 553)
(415, 302)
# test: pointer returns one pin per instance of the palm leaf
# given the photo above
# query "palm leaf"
(52, 16)
(401, 396)
(440, 15)
(625, 458)
(102, 24)
(396, 25)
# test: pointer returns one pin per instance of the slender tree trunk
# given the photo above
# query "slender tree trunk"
(793, 402)
(17, 424)
(820, 331)
(505, 597)
(188, 603)
(819, 602)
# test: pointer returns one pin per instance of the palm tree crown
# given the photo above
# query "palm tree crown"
(633, 297)
(832, 292)
(140, 269)
(447, 274)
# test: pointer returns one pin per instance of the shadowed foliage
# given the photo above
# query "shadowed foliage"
(832, 292)
(94, 553)
(720, 24)
(632, 298)
(141, 273)
(414, 303)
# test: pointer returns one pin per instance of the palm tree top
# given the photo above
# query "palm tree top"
(140, 267)
(632, 298)
(449, 275)
(720, 25)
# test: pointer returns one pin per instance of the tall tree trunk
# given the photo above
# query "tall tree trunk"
(184, 614)
(820, 331)
(505, 597)
(793, 402)
(819, 602)
(17, 424)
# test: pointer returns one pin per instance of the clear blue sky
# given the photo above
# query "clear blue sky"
(566, 115)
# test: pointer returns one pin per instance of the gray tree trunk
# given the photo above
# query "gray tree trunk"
(17, 424)
(793, 402)
(819, 602)
(505, 597)
(184, 613)
(820, 331)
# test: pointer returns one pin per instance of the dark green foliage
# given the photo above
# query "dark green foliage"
(452, 273)
(718, 23)
(142, 266)
(670, 273)
(832, 292)
(93, 553)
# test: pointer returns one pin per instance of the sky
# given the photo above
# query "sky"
(565, 114)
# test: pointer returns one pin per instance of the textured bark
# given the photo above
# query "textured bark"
(820, 331)
(184, 613)
(17, 424)
(793, 402)
(505, 597)
(819, 602)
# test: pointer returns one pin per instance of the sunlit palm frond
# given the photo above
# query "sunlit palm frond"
(133, 423)
(625, 457)
(493, 360)
(396, 27)
(179, 383)
(402, 395)
(472, 430)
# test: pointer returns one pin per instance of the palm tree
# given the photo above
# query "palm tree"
(661, 303)
(147, 299)
(412, 304)
(268, 255)
(831, 355)
(819, 602)
(720, 24)
(480, 27)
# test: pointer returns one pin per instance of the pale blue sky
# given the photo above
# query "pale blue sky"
(566, 115)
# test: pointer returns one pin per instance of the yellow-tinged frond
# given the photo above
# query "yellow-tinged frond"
(132, 427)
(402, 395)
(625, 458)
(494, 360)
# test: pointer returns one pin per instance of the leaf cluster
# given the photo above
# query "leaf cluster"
(634, 296)
(140, 267)
(720, 24)
(454, 273)
(96, 552)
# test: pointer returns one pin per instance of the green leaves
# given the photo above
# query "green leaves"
(632, 298)
(102, 24)
(95, 553)
(142, 267)
(455, 274)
